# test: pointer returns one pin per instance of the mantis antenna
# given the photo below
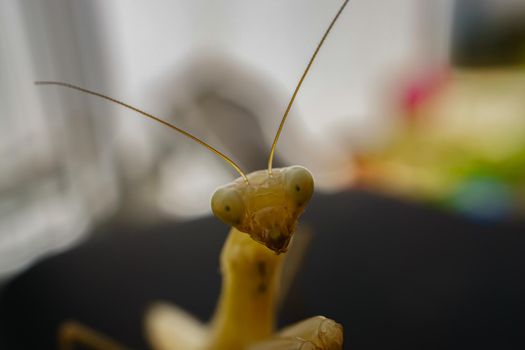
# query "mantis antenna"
(194, 138)
(272, 151)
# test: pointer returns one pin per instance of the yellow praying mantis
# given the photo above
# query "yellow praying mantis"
(263, 209)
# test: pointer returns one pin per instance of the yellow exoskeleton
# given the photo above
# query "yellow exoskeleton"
(263, 208)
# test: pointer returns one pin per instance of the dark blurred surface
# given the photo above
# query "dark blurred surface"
(396, 275)
(488, 35)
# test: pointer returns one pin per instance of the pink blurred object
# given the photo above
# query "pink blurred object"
(425, 86)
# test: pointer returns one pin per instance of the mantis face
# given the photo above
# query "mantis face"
(266, 207)
(264, 204)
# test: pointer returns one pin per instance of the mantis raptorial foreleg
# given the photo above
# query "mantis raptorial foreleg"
(168, 327)
(72, 333)
(317, 332)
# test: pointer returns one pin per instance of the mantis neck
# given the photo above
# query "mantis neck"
(246, 308)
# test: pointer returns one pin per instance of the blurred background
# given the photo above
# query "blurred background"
(412, 121)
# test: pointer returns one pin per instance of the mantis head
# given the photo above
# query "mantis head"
(264, 204)
(267, 207)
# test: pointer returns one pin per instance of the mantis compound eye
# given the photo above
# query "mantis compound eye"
(299, 184)
(228, 206)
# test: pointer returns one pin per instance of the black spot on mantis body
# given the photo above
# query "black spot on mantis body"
(261, 268)
(261, 289)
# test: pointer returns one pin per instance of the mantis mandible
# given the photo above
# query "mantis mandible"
(263, 209)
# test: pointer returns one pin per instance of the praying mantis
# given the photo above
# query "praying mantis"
(263, 209)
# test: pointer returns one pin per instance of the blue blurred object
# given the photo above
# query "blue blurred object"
(484, 199)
